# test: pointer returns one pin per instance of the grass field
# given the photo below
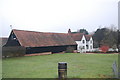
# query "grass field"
(46, 66)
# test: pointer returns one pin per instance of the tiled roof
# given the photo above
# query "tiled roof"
(40, 39)
(87, 37)
(78, 36)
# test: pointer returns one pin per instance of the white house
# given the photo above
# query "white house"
(84, 42)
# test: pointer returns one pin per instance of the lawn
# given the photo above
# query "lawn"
(46, 66)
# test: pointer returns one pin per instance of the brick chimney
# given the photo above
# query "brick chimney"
(69, 31)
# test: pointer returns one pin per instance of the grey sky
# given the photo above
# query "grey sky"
(119, 16)
(57, 15)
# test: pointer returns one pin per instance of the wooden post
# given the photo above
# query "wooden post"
(62, 70)
(115, 69)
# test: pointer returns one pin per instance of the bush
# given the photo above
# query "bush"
(104, 48)
(69, 49)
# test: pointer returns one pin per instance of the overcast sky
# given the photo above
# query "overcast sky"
(57, 15)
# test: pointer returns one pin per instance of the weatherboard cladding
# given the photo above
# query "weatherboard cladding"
(40, 39)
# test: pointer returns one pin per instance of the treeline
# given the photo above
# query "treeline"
(109, 36)
(106, 36)
(81, 31)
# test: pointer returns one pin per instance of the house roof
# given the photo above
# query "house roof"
(87, 37)
(41, 39)
(3, 40)
(78, 36)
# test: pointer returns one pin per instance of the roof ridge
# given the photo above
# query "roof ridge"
(40, 39)
(38, 31)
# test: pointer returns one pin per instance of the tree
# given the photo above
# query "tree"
(98, 36)
(111, 38)
(106, 36)
(83, 31)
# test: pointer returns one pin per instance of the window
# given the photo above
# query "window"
(87, 46)
(91, 47)
(83, 41)
(83, 47)
(91, 41)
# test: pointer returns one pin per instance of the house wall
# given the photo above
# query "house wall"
(90, 45)
(53, 49)
(80, 45)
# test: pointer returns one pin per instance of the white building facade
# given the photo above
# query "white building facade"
(84, 42)
(84, 45)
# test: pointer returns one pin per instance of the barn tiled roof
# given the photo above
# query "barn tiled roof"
(40, 39)
(3, 40)
(78, 36)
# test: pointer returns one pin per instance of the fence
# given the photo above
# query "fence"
(116, 71)
(13, 51)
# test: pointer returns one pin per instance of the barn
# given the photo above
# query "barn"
(3, 40)
(38, 42)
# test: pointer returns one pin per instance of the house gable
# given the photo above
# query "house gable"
(91, 40)
(83, 40)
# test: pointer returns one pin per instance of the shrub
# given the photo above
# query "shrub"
(69, 49)
(104, 48)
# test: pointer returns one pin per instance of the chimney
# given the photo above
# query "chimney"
(69, 31)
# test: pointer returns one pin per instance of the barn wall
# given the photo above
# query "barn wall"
(53, 49)
(12, 40)
(13, 51)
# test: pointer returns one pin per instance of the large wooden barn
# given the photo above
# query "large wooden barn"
(38, 42)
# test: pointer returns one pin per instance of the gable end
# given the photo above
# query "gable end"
(12, 40)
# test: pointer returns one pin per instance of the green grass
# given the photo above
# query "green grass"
(0, 68)
(46, 66)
